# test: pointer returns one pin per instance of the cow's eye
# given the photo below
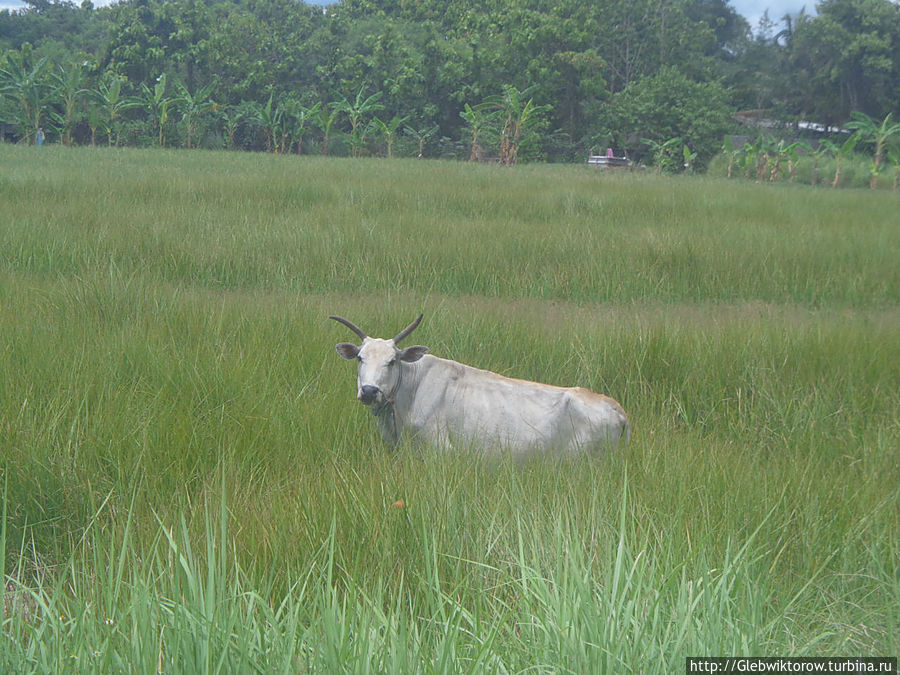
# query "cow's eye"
(392, 362)
(359, 358)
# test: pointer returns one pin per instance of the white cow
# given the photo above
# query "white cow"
(449, 404)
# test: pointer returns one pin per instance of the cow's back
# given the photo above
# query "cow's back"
(458, 405)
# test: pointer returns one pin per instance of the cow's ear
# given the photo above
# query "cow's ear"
(347, 349)
(414, 353)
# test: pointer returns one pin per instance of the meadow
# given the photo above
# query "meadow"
(190, 486)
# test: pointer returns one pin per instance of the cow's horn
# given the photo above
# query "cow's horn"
(409, 329)
(352, 326)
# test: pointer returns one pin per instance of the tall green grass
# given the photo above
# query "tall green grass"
(191, 486)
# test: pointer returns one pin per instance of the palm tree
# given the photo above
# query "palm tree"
(356, 111)
(878, 133)
(25, 85)
(194, 106)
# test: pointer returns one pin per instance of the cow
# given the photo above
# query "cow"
(448, 404)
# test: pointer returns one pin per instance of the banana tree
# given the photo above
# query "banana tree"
(356, 111)
(26, 85)
(325, 119)
(194, 106)
(299, 123)
(734, 155)
(816, 153)
(421, 137)
(689, 158)
(840, 153)
(268, 117)
(878, 133)
(389, 131)
(108, 106)
(894, 157)
(519, 114)
(478, 119)
(157, 106)
(664, 158)
(783, 150)
(68, 87)
(750, 151)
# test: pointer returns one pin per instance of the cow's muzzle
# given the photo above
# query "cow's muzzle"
(368, 394)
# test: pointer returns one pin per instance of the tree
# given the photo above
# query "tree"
(849, 54)
(268, 117)
(26, 85)
(668, 105)
(156, 105)
(519, 115)
(478, 118)
(356, 111)
(325, 121)
(301, 119)
(840, 152)
(421, 136)
(665, 157)
(110, 103)
(389, 131)
(783, 150)
(68, 87)
(194, 106)
(880, 135)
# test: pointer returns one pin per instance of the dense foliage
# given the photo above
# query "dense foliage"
(465, 78)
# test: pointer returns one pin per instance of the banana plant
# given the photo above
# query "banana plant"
(356, 111)
(781, 151)
(325, 119)
(879, 133)
(68, 87)
(689, 158)
(519, 114)
(157, 106)
(268, 117)
(894, 157)
(734, 155)
(27, 86)
(840, 153)
(663, 153)
(194, 106)
(389, 131)
(109, 104)
(299, 123)
(421, 136)
(478, 119)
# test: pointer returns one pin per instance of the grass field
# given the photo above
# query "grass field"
(190, 486)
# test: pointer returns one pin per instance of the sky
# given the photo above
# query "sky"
(752, 10)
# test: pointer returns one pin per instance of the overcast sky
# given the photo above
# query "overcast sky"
(751, 9)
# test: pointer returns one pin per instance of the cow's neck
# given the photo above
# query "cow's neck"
(393, 414)
(386, 412)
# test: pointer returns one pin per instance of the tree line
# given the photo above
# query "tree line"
(496, 79)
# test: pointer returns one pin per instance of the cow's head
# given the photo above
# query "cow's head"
(378, 374)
